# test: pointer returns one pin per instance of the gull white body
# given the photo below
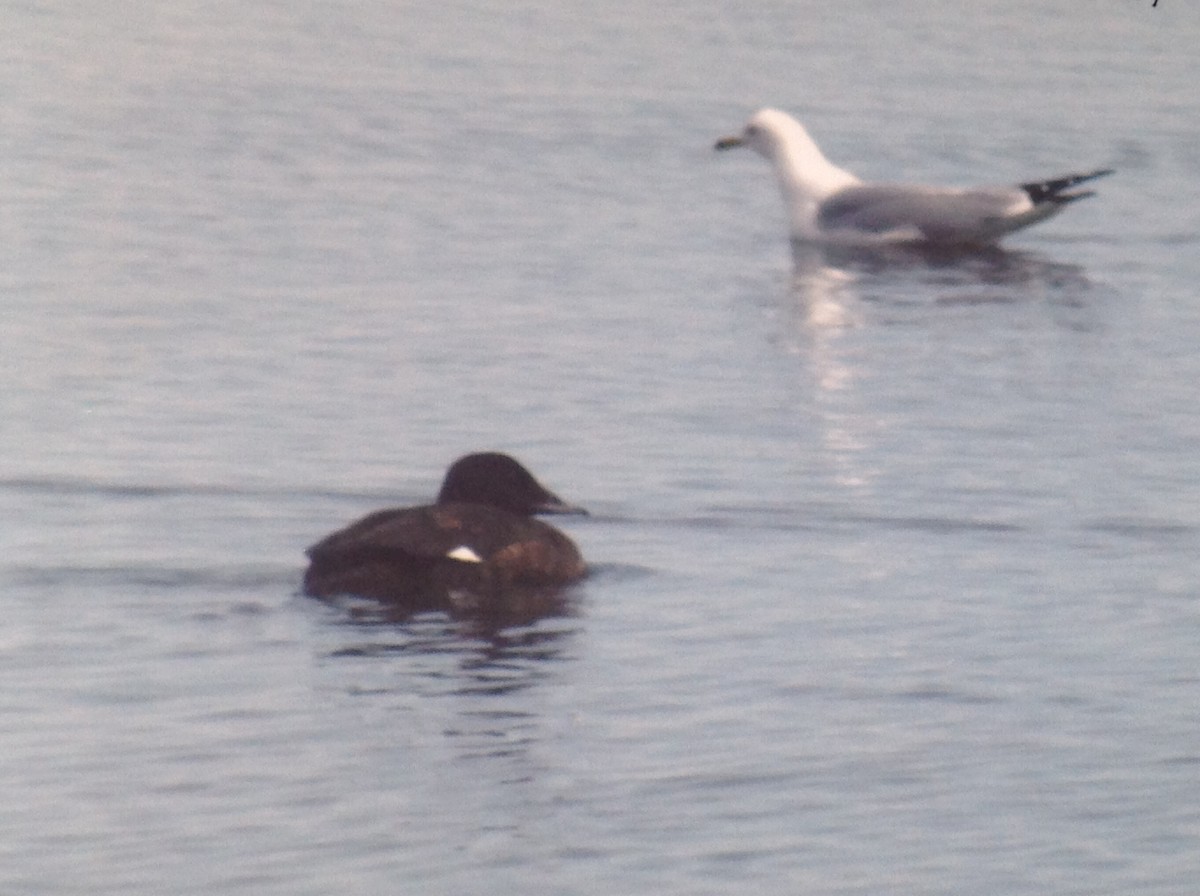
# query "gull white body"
(827, 204)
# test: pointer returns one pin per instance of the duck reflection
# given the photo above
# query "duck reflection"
(473, 688)
(460, 656)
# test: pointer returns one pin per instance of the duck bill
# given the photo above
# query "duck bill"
(554, 504)
(728, 143)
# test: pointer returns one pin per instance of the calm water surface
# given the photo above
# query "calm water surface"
(896, 561)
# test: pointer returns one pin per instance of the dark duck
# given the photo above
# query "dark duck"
(476, 551)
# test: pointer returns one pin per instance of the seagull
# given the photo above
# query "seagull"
(828, 204)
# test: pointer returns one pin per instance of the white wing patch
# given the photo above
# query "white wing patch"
(465, 554)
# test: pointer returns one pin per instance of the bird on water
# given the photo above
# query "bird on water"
(477, 550)
(827, 204)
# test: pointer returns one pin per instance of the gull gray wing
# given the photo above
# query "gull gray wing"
(938, 215)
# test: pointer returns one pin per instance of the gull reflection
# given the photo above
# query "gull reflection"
(833, 285)
(824, 290)
(839, 295)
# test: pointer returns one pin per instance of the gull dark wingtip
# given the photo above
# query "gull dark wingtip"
(1055, 190)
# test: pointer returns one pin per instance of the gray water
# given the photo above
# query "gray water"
(896, 565)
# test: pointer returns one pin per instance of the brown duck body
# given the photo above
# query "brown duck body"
(456, 555)
(414, 555)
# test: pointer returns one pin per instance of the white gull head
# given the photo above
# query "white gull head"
(805, 176)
